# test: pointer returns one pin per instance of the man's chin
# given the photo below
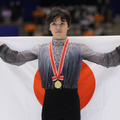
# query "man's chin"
(59, 38)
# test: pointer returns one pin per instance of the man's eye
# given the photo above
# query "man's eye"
(62, 23)
(53, 24)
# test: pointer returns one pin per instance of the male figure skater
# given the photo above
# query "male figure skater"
(59, 66)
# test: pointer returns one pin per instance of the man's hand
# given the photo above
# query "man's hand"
(1, 43)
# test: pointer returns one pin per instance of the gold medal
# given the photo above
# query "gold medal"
(58, 84)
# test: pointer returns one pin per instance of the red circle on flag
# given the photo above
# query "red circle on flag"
(86, 86)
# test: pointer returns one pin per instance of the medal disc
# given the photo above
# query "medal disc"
(58, 84)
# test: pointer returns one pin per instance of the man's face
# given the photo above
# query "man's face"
(59, 28)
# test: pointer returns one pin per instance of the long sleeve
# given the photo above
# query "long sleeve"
(18, 58)
(105, 59)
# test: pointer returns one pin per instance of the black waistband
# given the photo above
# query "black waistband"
(61, 93)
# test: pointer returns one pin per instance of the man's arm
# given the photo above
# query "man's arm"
(17, 58)
(105, 59)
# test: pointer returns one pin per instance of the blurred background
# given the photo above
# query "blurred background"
(89, 17)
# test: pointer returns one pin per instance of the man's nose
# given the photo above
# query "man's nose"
(58, 26)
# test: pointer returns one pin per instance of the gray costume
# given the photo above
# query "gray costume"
(72, 64)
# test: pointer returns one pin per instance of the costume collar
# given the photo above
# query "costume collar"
(58, 42)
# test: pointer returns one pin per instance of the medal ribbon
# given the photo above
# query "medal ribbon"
(57, 73)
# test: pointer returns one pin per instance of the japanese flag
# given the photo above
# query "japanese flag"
(21, 95)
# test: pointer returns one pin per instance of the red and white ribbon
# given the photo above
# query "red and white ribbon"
(57, 73)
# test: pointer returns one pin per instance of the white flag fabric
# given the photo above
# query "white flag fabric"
(17, 97)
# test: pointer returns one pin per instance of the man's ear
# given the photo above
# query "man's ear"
(68, 28)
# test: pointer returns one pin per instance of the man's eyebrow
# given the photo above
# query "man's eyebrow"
(61, 20)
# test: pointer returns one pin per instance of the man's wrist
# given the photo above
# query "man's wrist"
(2, 46)
(118, 49)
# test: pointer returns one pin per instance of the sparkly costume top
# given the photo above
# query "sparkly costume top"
(72, 64)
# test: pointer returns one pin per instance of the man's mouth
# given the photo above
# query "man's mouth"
(58, 32)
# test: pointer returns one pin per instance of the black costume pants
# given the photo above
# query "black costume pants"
(61, 104)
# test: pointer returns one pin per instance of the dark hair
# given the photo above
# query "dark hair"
(57, 12)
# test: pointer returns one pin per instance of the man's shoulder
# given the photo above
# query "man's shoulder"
(73, 44)
(44, 45)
